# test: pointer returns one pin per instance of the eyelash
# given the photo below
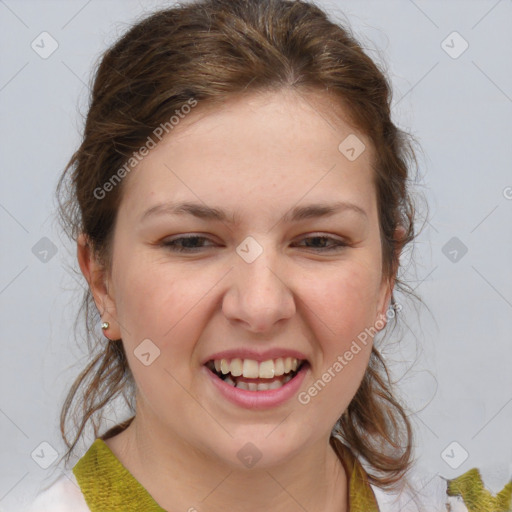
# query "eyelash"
(171, 244)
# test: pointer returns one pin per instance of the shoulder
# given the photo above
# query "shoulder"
(430, 492)
(420, 492)
(62, 496)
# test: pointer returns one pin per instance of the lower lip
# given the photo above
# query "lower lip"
(259, 399)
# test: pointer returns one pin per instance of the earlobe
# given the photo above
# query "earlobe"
(97, 278)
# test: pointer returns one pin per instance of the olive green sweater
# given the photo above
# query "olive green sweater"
(108, 486)
(105, 485)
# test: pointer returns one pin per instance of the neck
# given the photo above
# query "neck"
(180, 477)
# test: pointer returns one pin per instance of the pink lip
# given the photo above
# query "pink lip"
(256, 356)
(258, 399)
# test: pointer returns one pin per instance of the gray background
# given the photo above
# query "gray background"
(460, 386)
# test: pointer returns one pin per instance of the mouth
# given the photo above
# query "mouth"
(251, 375)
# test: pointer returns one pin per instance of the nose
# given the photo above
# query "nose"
(258, 296)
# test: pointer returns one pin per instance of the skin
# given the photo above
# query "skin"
(259, 156)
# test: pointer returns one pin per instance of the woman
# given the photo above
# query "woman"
(239, 203)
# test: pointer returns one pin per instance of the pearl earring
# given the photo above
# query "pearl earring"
(105, 326)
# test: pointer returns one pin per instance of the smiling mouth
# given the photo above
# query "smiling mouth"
(250, 375)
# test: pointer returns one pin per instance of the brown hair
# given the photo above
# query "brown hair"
(209, 50)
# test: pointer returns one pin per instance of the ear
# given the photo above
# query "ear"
(99, 283)
(388, 282)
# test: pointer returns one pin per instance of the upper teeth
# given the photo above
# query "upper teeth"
(251, 369)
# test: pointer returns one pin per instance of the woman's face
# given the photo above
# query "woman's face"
(267, 275)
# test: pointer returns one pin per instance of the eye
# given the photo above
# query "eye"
(185, 243)
(319, 242)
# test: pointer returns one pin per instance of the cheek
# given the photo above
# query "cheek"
(160, 302)
(345, 300)
(344, 313)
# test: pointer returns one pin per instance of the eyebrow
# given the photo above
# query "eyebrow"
(298, 213)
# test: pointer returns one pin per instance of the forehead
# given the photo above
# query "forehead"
(254, 149)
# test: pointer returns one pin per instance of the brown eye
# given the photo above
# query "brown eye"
(319, 243)
(185, 243)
